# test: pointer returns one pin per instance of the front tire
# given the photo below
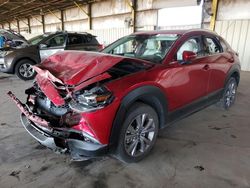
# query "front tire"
(229, 94)
(24, 70)
(138, 134)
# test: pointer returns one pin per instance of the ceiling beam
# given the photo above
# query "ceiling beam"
(24, 9)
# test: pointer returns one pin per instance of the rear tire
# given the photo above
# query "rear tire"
(138, 134)
(229, 94)
(24, 70)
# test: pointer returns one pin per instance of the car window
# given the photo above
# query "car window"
(56, 41)
(87, 38)
(149, 47)
(211, 46)
(189, 45)
(74, 39)
(145, 49)
(37, 39)
(223, 44)
(125, 48)
(94, 40)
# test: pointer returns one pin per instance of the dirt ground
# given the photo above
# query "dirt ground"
(208, 149)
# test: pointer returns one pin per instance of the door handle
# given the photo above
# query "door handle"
(206, 67)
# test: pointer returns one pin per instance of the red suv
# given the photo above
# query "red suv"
(88, 103)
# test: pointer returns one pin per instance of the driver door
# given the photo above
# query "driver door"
(52, 46)
(189, 80)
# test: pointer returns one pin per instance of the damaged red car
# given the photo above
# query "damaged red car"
(89, 104)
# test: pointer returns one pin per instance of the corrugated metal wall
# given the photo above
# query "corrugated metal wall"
(237, 34)
(107, 36)
(233, 23)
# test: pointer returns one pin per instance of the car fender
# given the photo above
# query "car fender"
(151, 95)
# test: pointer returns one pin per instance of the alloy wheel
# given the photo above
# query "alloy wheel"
(139, 135)
(230, 94)
(26, 70)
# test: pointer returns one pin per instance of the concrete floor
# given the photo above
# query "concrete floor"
(208, 149)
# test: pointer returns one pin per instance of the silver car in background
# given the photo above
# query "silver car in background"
(19, 61)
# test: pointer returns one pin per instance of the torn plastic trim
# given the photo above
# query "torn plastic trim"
(42, 126)
(39, 135)
(27, 112)
(78, 149)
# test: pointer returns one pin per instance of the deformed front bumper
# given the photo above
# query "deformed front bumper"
(59, 140)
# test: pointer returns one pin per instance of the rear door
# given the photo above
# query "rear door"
(52, 45)
(218, 60)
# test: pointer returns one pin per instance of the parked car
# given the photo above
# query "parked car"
(90, 104)
(12, 39)
(20, 61)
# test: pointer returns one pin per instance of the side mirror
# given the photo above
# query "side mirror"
(188, 56)
(43, 46)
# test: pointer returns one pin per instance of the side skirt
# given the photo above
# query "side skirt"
(194, 107)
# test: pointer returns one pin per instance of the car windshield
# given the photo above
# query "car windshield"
(37, 39)
(148, 47)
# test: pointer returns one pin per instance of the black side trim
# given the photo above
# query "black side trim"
(150, 95)
(79, 149)
(194, 107)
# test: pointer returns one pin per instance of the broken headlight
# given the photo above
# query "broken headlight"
(90, 100)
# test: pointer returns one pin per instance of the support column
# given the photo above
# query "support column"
(86, 13)
(18, 26)
(29, 28)
(43, 23)
(214, 14)
(90, 16)
(62, 20)
(134, 7)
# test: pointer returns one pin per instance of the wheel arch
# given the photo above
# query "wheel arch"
(20, 59)
(236, 75)
(233, 72)
(150, 95)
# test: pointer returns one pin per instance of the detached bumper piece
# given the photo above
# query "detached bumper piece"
(60, 140)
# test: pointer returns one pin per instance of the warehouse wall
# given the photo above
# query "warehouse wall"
(107, 18)
(233, 23)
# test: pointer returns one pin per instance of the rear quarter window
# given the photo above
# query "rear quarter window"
(74, 39)
(211, 46)
(224, 44)
(90, 39)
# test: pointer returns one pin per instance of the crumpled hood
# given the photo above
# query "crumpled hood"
(74, 67)
(77, 69)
